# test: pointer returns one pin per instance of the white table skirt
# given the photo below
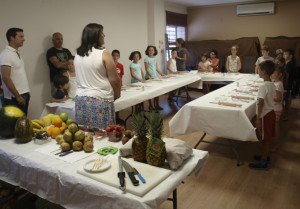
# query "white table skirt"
(217, 120)
(133, 95)
(58, 181)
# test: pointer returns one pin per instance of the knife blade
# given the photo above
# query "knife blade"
(121, 175)
(139, 175)
(130, 173)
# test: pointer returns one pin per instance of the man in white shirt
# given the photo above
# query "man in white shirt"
(13, 75)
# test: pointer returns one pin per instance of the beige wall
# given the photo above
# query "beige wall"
(221, 22)
(125, 26)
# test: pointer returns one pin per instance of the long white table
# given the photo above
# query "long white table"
(205, 114)
(216, 78)
(58, 181)
(132, 95)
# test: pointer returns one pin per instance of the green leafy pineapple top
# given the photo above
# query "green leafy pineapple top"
(156, 124)
(140, 125)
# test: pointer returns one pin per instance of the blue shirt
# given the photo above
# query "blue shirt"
(137, 71)
(59, 94)
(151, 66)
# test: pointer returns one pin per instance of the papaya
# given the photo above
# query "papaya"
(8, 118)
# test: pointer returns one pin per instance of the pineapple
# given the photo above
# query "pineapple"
(156, 150)
(139, 144)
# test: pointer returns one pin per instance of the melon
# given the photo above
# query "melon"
(8, 117)
(23, 130)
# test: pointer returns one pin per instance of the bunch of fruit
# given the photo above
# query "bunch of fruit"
(38, 125)
(128, 135)
(115, 132)
(75, 139)
(49, 119)
(57, 128)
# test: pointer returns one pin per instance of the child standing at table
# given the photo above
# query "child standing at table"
(266, 117)
(120, 69)
(233, 62)
(136, 71)
(151, 69)
(62, 84)
(265, 56)
(204, 64)
(172, 68)
(278, 78)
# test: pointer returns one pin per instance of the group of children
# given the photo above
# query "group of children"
(274, 96)
(210, 63)
(273, 100)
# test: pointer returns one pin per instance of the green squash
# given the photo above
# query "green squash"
(23, 130)
(8, 117)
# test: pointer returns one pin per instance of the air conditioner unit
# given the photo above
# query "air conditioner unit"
(256, 9)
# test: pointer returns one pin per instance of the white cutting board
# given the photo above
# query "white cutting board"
(153, 176)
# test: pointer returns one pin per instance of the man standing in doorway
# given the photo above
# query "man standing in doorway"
(14, 80)
(57, 58)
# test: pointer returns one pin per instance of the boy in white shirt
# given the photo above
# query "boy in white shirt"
(266, 117)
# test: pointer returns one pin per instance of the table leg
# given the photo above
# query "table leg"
(230, 144)
(235, 152)
(174, 199)
(200, 140)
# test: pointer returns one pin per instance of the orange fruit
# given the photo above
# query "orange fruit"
(57, 122)
(55, 131)
(49, 131)
(64, 125)
(62, 129)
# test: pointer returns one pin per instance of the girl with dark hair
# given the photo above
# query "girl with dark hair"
(136, 71)
(98, 84)
(214, 61)
(151, 69)
(181, 54)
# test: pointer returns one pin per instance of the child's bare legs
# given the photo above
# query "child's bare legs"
(150, 105)
(266, 149)
(156, 104)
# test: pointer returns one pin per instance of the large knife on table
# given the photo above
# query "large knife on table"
(130, 173)
(121, 175)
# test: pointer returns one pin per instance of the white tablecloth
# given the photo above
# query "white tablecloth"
(58, 181)
(132, 95)
(217, 120)
(216, 78)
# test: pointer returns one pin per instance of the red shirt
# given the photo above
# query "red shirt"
(120, 71)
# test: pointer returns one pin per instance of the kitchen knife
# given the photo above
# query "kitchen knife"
(121, 175)
(130, 173)
(139, 175)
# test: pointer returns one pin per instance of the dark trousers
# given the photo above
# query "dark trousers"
(13, 101)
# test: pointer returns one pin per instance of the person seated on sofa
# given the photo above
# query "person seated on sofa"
(214, 61)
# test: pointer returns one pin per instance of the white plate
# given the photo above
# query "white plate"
(88, 166)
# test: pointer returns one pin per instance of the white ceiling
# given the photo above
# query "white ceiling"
(193, 3)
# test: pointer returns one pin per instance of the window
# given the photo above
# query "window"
(176, 28)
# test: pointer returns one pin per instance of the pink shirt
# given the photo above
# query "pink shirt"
(279, 87)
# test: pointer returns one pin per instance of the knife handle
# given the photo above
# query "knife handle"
(132, 178)
(142, 179)
(121, 176)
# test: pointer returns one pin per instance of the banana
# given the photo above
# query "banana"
(37, 129)
(36, 125)
(41, 123)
